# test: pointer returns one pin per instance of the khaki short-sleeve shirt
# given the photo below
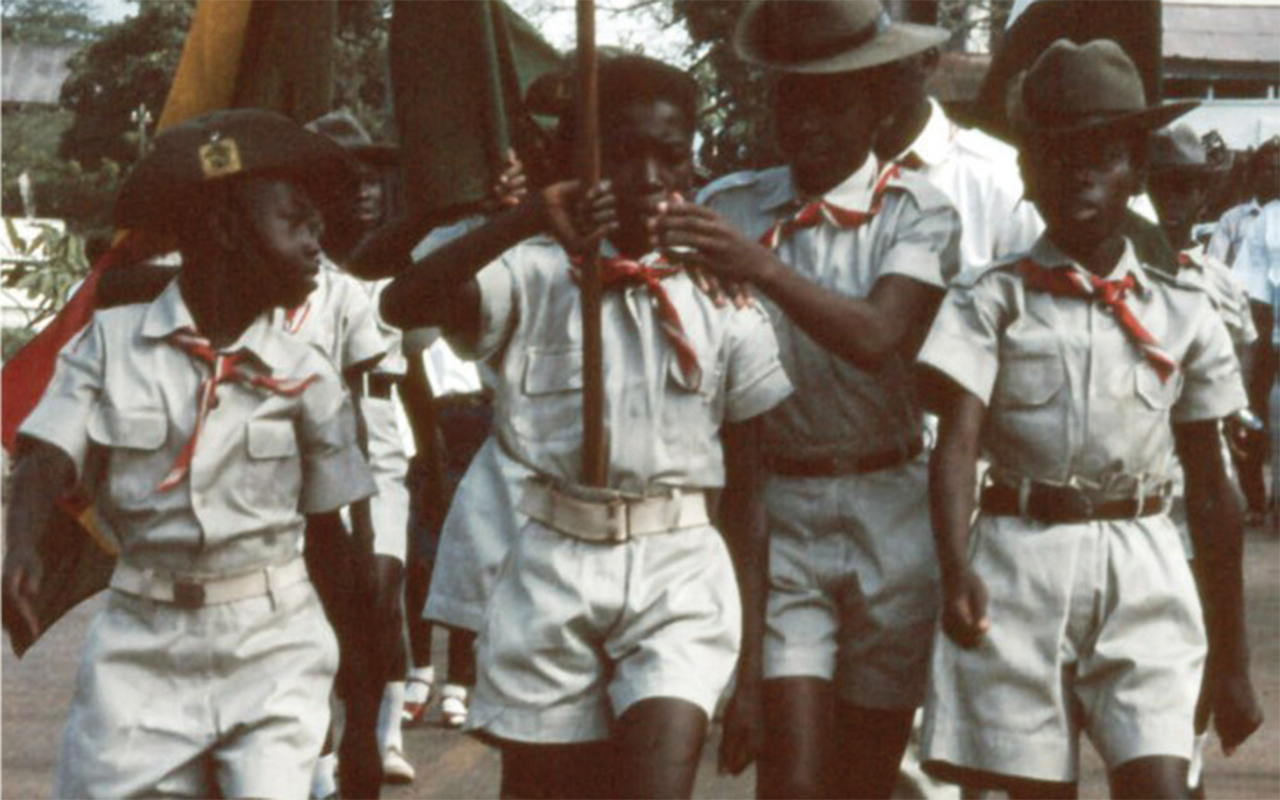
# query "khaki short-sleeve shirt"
(1070, 398)
(838, 408)
(339, 318)
(1225, 291)
(122, 404)
(662, 429)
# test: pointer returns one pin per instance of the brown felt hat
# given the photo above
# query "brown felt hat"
(1090, 87)
(350, 135)
(1178, 149)
(187, 158)
(827, 36)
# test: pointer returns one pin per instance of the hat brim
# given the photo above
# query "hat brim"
(901, 40)
(1148, 119)
(170, 184)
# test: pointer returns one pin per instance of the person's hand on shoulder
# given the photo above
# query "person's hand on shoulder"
(716, 248)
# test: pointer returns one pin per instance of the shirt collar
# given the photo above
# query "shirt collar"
(934, 141)
(853, 193)
(1047, 254)
(168, 313)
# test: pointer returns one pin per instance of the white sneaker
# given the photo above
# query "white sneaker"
(418, 691)
(453, 705)
(324, 781)
(396, 768)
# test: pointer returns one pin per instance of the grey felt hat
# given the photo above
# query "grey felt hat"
(827, 36)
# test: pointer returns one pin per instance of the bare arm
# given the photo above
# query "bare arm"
(440, 290)
(1217, 529)
(747, 533)
(952, 487)
(42, 474)
(892, 320)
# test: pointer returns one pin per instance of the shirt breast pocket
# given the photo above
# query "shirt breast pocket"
(273, 474)
(1029, 380)
(1157, 395)
(551, 395)
(134, 439)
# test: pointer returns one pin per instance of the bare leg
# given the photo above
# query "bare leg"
(547, 771)
(659, 743)
(799, 719)
(872, 742)
(1153, 777)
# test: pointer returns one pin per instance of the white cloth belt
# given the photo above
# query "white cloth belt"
(614, 520)
(196, 592)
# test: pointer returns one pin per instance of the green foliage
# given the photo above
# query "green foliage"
(13, 339)
(49, 264)
(48, 22)
(60, 188)
(131, 64)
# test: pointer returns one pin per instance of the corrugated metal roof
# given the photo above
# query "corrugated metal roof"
(33, 73)
(1216, 32)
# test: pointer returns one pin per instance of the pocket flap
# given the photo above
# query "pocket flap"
(1031, 380)
(272, 438)
(551, 371)
(1157, 393)
(132, 429)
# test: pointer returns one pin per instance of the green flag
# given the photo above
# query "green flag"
(458, 72)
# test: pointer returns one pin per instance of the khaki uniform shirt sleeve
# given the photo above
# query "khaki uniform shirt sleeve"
(1212, 386)
(964, 342)
(334, 471)
(926, 244)
(756, 381)
(61, 418)
(498, 303)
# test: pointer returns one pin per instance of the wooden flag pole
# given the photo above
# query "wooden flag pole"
(594, 445)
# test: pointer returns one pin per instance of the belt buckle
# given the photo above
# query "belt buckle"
(1080, 508)
(187, 594)
(618, 520)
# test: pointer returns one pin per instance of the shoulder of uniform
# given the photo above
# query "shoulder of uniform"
(746, 180)
(927, 196)
(1175, 281)
(970, 277)
(975, 142)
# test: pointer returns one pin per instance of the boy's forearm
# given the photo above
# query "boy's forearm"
(1217, 530)
(41, 475)
(422, 295)
(747, 533)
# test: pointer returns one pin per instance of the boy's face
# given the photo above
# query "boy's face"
(369, 207)
(1081, 185)
(1179, 197)
(646, 152)
(825, 126)
(286, 226)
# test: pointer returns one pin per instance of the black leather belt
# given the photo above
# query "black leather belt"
(1065, 504)
(469, 400)
(380, 384)
(828, 466)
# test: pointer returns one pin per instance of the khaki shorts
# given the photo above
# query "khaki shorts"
(1095, 627)
(389, 508)
(577, 632)
(230, 700)
(853, 583)
(477, 535)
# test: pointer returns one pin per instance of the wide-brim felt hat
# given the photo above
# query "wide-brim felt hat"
(347, 132)
(827, 36)
(1177, 148)
(190, 157)
(1072, 89)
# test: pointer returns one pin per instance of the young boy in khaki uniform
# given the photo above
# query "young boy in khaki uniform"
(1078, 372)
(851, 261)
(614, 625)
(205, 434)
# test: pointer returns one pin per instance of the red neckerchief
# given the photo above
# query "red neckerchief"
(619, 271)
(1068, 282)
(815, 212)
(225, 367)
